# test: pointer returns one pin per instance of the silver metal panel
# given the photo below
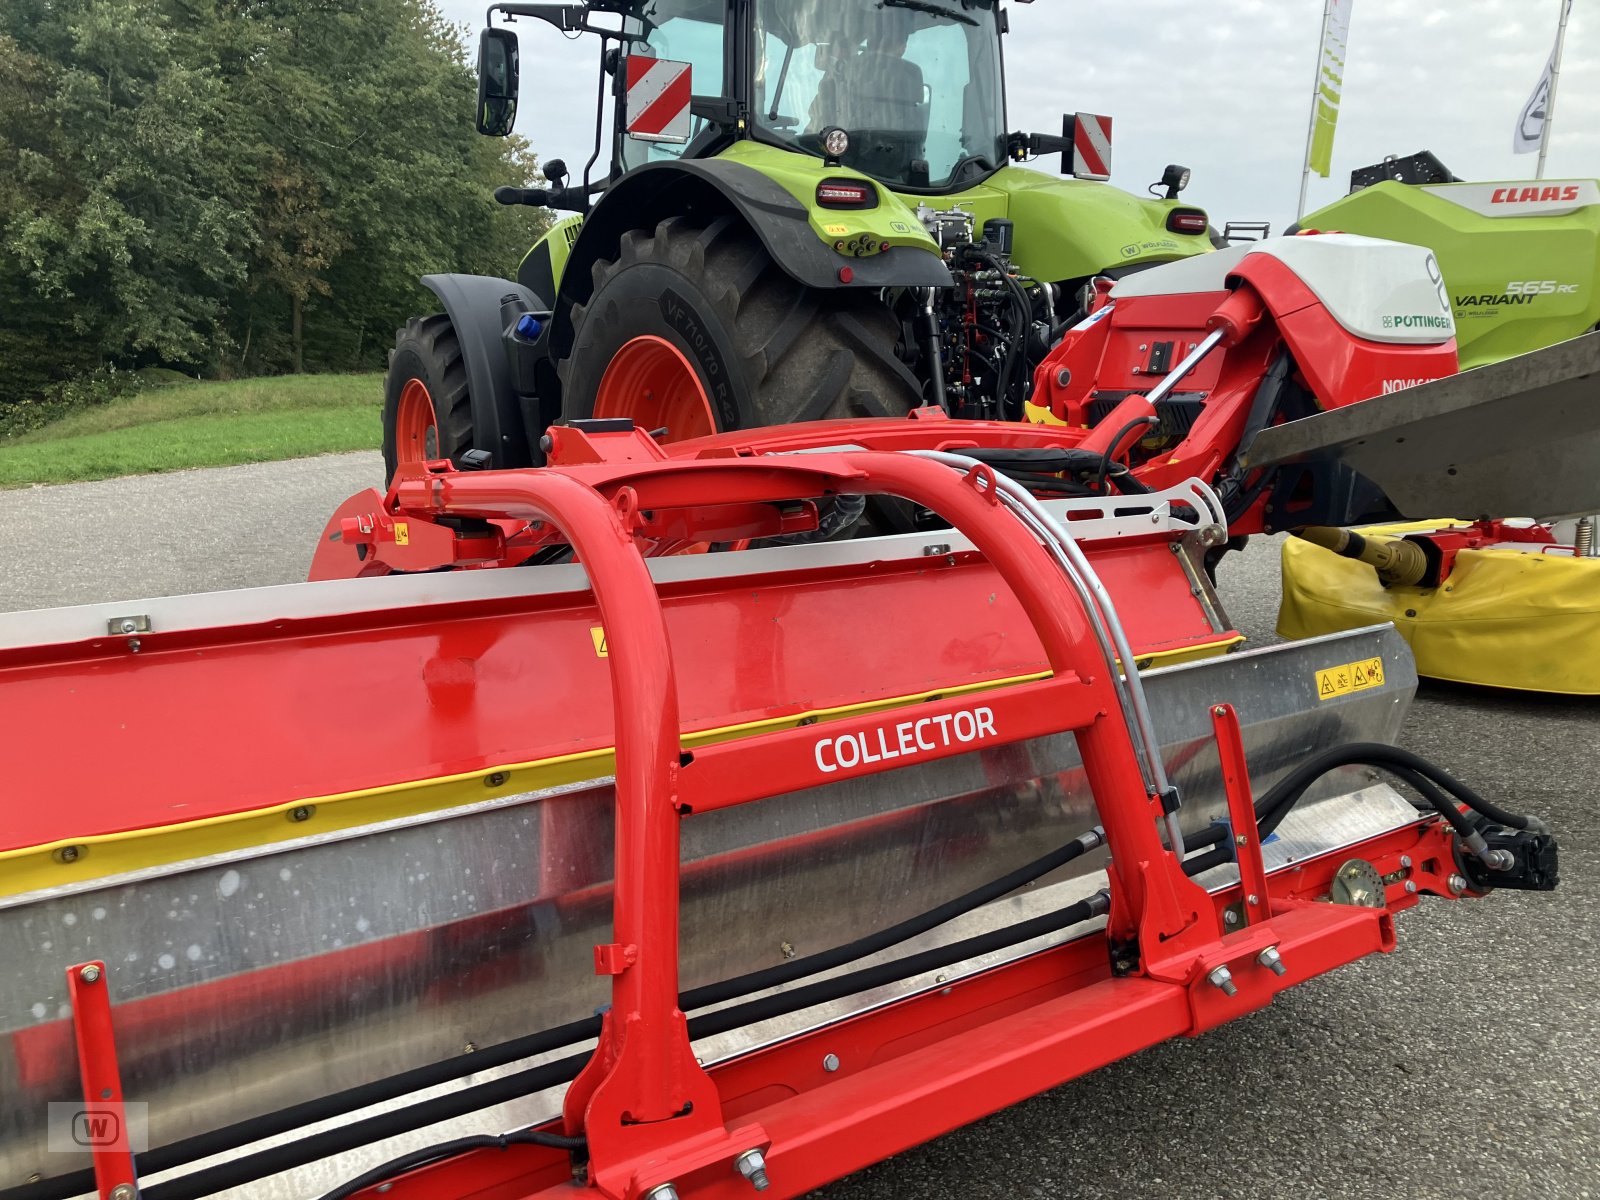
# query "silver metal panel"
(251, 981)
(1516, 438)
(1313, 828)
(1091, 520)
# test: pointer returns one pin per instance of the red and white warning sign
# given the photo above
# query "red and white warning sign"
(1091, 146)
(658, 99)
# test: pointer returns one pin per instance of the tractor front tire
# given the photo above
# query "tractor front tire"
(426, 410)
(764, 349)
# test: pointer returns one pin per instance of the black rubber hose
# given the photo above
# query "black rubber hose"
(1430, 781)
(231, 1137)
(1016, 346)
(1201, 863)
(1379, 754)
(825, 990)
(432, 1154)
(873, 943)
(1105, 459)
(327, 1143)
(1024, 305)
(313, 1147)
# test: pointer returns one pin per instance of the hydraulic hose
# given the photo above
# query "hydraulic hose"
(461, 1145)
(1379, 754)
(231, 1137)
(838, 988)
(1432, 782)
(827, 960)
(314, 1147)
(1106, 460)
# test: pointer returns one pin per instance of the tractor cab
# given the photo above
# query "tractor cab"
(909, 92)
(811, 209)
(913, 88)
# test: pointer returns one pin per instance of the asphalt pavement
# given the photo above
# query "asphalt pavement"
(1467, 1063)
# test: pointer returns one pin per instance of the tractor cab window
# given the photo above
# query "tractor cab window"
(688, 31)
(915, 83)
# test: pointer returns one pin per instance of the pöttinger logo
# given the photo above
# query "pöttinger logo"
(1417, 321)
(77, 1126)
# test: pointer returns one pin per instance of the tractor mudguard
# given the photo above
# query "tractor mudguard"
(655, 191)
(474, 304)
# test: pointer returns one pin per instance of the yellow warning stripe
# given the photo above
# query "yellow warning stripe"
(31, 868)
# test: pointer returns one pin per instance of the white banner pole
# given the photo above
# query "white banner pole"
(1555, 76)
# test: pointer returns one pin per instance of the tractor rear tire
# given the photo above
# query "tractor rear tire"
(765, 349)
(426, 386)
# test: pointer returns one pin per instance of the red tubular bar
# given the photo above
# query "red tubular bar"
(645, 707)
(1241, 812)
(643, 1102)
(110, 1150)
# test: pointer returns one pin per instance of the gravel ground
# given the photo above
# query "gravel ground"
(1467, 1063)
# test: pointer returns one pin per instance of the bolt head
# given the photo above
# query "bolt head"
(1252, 900)
(1411, 886)
(752, 1164)
(1405, 860)
(1272, 960)
(123, 1191)
(665, 1191)
(1243, 839)
(1458, 885)
(830, 1062)
(90, 974)
(1222, 978)
(1229, 917)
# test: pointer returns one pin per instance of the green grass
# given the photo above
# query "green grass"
(174, 426)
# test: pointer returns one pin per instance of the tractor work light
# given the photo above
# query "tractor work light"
(846, 193)
(1188, 220)
(1175, 178)
(835, 142)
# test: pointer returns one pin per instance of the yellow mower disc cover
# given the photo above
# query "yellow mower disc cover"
(1506, 617)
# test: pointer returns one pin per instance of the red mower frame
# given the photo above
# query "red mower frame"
(824, 1104)
(791, 1116)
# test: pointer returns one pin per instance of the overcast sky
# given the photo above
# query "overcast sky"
(1224, 87)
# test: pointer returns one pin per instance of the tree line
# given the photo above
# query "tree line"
(235, 187)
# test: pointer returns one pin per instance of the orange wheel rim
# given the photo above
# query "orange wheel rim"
(416, 429)
(651, 382)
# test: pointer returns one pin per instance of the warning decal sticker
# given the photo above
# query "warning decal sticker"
(1350, 677)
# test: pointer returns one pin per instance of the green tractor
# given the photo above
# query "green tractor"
(813, 209)
(1521, 258)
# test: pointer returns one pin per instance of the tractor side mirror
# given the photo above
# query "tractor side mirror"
(497, 82)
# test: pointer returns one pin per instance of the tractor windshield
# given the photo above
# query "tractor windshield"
(915, 83)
